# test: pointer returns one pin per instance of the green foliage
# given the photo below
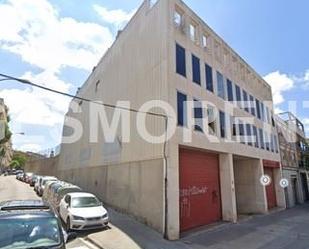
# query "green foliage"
(15, 164)
(18, 161)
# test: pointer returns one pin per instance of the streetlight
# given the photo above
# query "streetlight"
(19, 133)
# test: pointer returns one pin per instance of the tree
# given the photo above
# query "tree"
(18, 161)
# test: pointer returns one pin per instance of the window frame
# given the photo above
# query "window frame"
(183, 122)
(196, 65)
(220, 83)
(198, 111)
(222, 122)
(181, 67)
(209, 82)
(230, 92)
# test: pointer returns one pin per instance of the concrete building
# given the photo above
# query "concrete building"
(292, 141)
(6, 151)
(167, 53)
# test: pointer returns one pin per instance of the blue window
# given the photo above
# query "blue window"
(267, 142)
(209, 78)
(256, 137)
(198, 115)
(258, 110)
(230, 95)
(262, 139)
(272, 144)
(222, 124)
(180, 60)
(252, 105)
(238, 95)
(181, 109)
(267, 115)
(262, 112)
(234, 127)
(242, 132)
(221, 89)
(249, 134)
(245, 103)
(196, 71)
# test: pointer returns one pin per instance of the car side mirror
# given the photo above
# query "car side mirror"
(71, 236)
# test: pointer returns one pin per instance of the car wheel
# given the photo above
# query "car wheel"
(68, 225)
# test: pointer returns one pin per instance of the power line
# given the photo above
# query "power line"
(28, 82)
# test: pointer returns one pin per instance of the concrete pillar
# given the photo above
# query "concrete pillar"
(173, 226)
(229, 210)
(280, 195)
(261, 197)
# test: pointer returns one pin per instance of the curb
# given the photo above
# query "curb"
(94, 242)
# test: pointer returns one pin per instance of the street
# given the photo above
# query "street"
(280, 230)
(11, 189)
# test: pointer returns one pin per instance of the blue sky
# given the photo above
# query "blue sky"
(271, 36)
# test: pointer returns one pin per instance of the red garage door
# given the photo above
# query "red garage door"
(270, 189)
(200, 202)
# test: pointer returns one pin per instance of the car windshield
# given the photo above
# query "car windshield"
(29, 233)
(47, 180)
(83, 202)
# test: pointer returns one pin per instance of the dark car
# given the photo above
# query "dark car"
(30, 224)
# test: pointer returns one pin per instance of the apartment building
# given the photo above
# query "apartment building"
(293, 146)
(167, 53)
(292, 143)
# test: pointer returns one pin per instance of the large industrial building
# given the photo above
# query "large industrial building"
(167, 53)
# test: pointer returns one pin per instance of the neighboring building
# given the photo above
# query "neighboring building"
(293, 147)
(167, 53)
(6, 151)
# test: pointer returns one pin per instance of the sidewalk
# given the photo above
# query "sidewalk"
(127, 233)
(284, 229)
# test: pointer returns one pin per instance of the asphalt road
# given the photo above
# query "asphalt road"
(11, 189)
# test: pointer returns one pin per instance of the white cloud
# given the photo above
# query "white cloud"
(306, 124)
(31, 147)
(303, 80)
(116, 17)
(36, 32)
(280, 83)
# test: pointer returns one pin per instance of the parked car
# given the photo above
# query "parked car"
(44, 180)
(19, 176)
(43, 230)
(61, 192)
(82, 211)
(33, 180)
(26, 177)
(51, 188)
(38, 183)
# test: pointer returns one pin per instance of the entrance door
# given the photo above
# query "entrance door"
(294, 188)
(200, 201)
(305, 186)
(270, 189)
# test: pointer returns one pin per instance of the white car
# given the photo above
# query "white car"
(43, 183)
(82, 211)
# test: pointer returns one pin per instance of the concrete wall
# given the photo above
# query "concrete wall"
(126, 175)
(135, 188)
(250, 194)
(47, 166)
(291, 201)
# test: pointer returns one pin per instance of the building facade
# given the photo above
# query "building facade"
(224, 143)
(6, 151)
(293, 146)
